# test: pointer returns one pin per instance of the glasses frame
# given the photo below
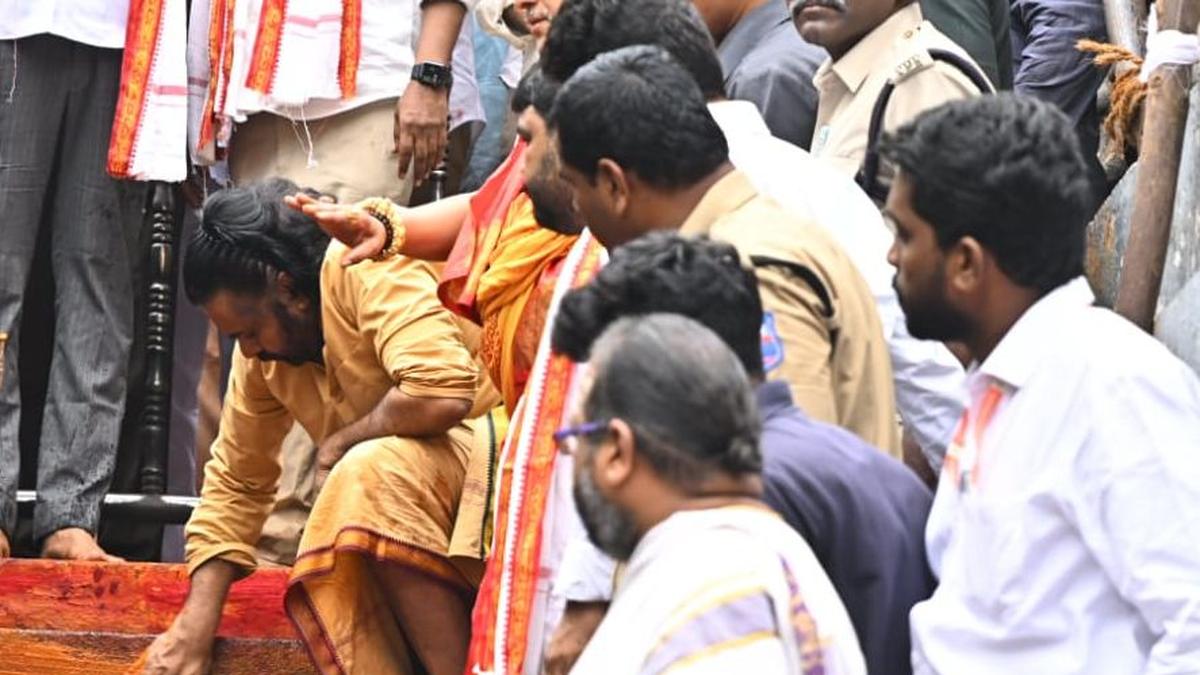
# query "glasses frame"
(567, 438)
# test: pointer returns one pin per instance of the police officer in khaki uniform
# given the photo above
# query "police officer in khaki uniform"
(872, 43)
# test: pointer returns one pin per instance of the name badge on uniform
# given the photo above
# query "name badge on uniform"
(772, 346)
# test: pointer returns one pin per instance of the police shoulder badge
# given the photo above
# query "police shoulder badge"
(772, 346)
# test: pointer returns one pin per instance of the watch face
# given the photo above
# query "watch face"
(432, 74)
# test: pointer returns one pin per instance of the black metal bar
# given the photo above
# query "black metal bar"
(154, 425)
(164, 509)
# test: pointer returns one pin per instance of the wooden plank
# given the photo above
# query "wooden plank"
(130, 598)
(29, 652)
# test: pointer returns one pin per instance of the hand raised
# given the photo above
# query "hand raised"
(352, 226)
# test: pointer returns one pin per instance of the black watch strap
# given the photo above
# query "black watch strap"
(433, 75)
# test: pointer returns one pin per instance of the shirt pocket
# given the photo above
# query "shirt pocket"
(995, 546)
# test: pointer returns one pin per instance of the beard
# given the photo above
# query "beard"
(609, 526)
(931, 317)
(553, 206)
(304, 339)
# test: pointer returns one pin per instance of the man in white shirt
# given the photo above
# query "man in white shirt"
(668, 478)
(1066, 527)
(390, 131)
(60, 70)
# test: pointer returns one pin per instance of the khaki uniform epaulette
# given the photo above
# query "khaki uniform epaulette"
(918, 59)
(912, 65)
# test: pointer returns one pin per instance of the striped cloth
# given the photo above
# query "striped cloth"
(726, 590)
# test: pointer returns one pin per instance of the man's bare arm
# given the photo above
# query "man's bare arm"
(422, 112)
(430, 229)
(186, 647)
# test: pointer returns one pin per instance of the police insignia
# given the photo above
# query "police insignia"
(772, 346)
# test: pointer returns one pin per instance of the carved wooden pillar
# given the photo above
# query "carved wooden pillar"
(154, 426)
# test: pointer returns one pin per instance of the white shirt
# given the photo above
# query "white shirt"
(388, 42)
(1074, 546)
(100, 23)
(724, 590)
(466, 105)
(928, 378)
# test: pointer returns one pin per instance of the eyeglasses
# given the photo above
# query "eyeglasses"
(567, 438)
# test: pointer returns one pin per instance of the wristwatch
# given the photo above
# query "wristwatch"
(432, 74)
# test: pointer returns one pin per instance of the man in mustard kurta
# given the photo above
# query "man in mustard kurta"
(383, 378)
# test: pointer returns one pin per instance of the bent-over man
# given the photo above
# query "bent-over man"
(382, 378)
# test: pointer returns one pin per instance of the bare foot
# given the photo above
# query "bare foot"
(73, 543)
(5, 551)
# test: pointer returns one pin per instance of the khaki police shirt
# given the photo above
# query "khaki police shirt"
(849, 87)
(821, 331)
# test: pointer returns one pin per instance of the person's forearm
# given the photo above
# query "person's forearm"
(399, 414)
(441, 20)
(201, 613)
(431, 229)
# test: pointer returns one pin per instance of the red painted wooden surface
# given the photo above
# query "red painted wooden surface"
(58, 617)
(130, 598)
(57, 653)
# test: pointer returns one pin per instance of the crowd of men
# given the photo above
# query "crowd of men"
(767, 348)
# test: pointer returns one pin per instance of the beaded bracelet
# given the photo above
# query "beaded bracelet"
(387, 213)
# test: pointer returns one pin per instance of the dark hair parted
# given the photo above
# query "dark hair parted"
(665, 272)
(246, 235)
(537, 90)
(1006, 170)
(639, 108)
(684, 394)
(584, 29)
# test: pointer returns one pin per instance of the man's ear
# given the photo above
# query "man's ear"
(285, 289)
(614, 184)
(966, 264)
(615, 459)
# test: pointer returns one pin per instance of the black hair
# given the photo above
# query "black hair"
(584, 29)
(1006, 170)
(246, 235)
(638, 107)
(684, 394)
(537, 90)
(666, 272)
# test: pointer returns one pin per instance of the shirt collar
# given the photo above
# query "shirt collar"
(738, 117)
(773, 398)
(865, 57)
(732, 192)
(748, 34)
(1014, 359)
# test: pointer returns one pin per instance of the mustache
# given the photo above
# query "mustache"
(797, 5)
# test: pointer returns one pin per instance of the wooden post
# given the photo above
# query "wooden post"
(154, 426)
(1124, 19)
(1166, 111)
(3, 348)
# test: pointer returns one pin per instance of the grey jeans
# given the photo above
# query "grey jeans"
(57, 99)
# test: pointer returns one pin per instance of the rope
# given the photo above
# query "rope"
(1121, 125)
